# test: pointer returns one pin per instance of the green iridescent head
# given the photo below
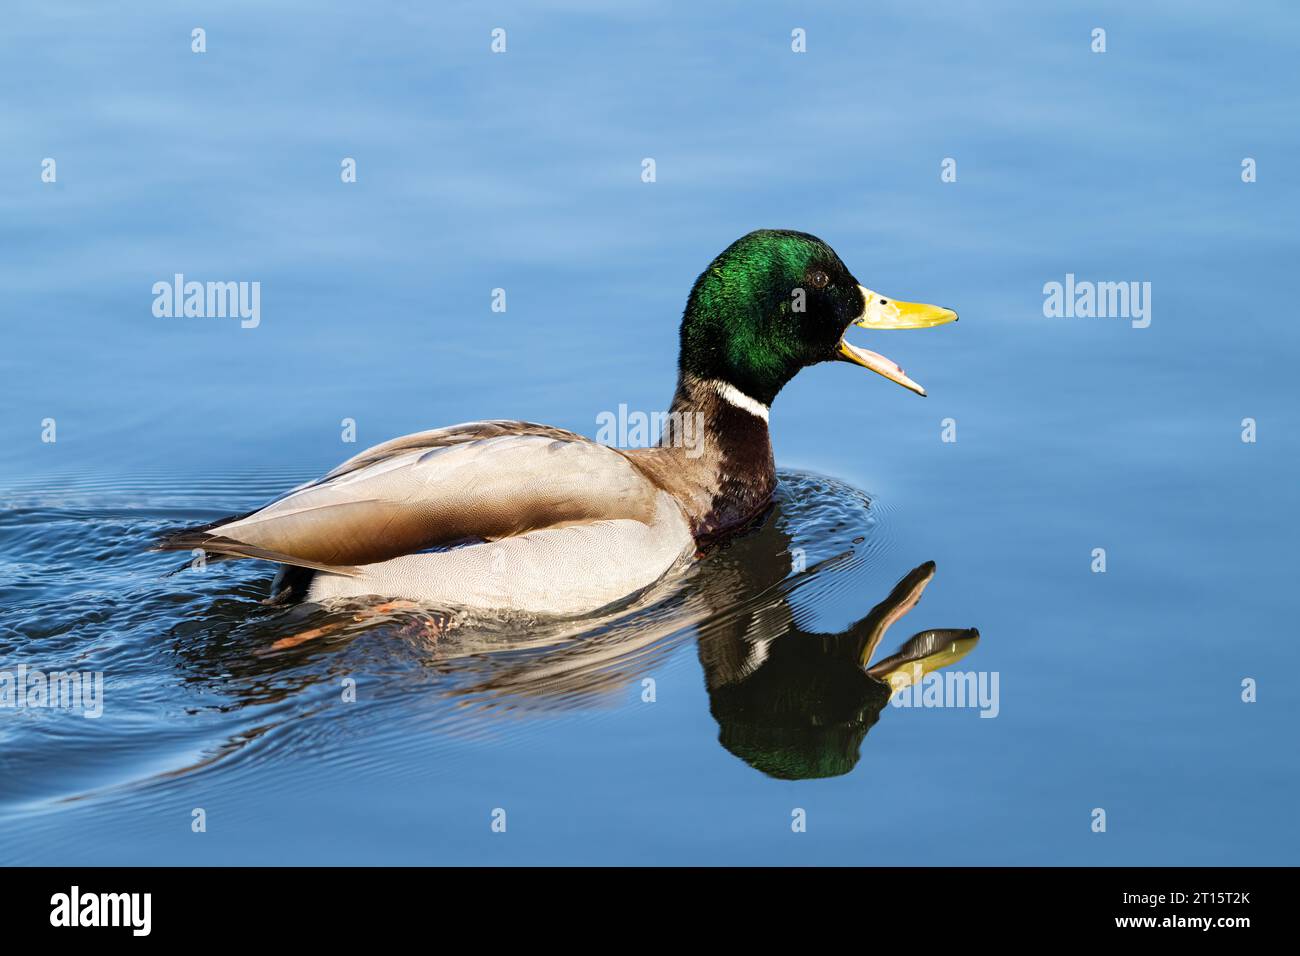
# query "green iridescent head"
(776, 301)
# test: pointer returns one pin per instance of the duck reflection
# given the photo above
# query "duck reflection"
(798, 705)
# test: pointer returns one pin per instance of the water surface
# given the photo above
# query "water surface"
(1119, 690)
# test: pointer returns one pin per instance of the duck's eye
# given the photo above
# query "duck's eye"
(819, 279)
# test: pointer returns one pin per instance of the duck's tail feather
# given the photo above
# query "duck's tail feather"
(188, 565)
(223, 548)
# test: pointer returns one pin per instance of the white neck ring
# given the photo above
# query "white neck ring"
(734, 396)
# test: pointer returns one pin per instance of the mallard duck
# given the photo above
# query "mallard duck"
(515, 516)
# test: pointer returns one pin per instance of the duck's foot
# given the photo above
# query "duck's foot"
(429, 628)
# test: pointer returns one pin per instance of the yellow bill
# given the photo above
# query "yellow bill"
(882, 312)
(924, 653)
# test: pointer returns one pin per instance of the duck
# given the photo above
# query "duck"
(519, 517)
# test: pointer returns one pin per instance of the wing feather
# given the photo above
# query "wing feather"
(475, 482)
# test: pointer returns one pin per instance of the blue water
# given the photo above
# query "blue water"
(1118, 690)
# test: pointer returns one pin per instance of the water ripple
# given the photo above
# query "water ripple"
(201, 679)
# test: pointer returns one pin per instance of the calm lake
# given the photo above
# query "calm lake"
(723, 717)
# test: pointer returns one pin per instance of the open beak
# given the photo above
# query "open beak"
(882, 312)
